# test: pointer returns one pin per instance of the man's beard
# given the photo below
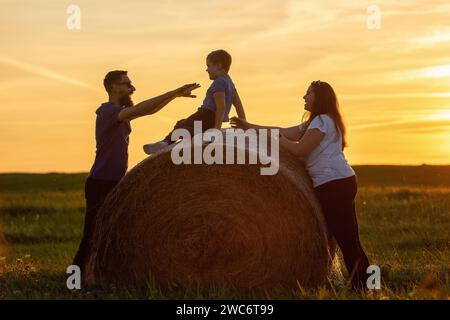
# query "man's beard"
(126, 101)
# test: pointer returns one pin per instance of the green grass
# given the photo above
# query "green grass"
(403, 212)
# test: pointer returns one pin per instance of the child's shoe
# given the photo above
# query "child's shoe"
(154, 147)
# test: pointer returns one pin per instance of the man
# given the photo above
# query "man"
(112, 136)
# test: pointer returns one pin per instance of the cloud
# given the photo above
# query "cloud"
(46, 73)
(401, 95)
(408, 126)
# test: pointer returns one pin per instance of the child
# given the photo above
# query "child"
(217, 104)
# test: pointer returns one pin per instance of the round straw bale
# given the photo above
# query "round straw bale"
(212, 224)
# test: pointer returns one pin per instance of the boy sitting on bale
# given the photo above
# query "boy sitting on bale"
(216, 105)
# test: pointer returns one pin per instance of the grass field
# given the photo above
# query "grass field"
(404, 216)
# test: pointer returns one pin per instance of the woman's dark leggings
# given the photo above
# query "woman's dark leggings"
(337, 199)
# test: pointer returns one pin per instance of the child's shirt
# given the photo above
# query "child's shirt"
(221, 84)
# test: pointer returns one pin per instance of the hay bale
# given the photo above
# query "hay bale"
(212, 224)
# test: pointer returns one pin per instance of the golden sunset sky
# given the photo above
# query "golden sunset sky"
(393, 83)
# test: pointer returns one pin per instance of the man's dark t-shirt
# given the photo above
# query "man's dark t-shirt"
(112, 137)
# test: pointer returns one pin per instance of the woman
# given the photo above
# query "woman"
(320, 140)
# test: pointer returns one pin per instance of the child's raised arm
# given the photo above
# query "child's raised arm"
(238, 105)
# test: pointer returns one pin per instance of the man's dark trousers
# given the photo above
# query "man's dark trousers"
(95, 193)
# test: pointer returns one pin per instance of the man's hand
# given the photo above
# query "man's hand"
(185, 91)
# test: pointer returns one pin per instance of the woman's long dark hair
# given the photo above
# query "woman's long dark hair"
(326, 102)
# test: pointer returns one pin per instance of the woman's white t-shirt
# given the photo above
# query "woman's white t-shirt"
(327, 161)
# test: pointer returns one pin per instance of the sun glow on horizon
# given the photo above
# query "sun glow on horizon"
(437, 71)
(440, 115)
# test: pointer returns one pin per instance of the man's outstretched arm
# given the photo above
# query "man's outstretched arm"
(155, 104)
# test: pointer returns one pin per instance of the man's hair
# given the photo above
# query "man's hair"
(112, 77)
(222, 57)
